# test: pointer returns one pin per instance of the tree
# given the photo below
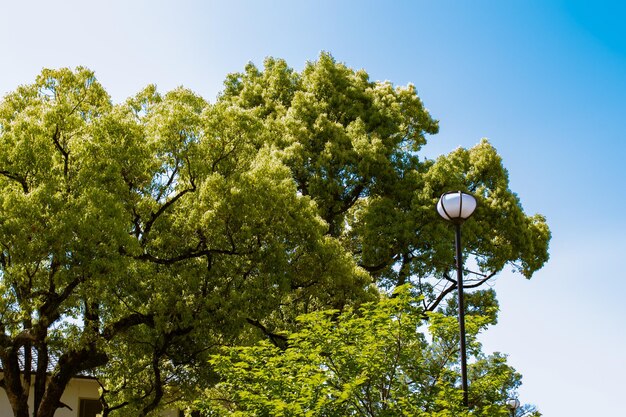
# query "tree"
(137, 238)
(352, 146)
(373, 362)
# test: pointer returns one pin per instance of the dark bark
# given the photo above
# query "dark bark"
(158, 386)
(15, 177)
(41, 374)
(126, 323)
(70, 364)
(18, 397)
(278, 340)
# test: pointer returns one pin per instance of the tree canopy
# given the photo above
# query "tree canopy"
(137, 238)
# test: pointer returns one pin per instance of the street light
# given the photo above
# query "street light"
(513, 404)
(456, 207)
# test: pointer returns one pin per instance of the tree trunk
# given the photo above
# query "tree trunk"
(19, 405)
(69, 365)
(51, 399)
(18, 397)
(41, 375)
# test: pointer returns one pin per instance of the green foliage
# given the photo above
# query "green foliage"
(352, 146)
(138, 238)
(147, 231)
(342, 136)
(374, 361)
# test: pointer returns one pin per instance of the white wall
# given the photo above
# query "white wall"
(76, 389)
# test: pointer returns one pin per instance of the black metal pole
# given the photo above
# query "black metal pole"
(459, 277)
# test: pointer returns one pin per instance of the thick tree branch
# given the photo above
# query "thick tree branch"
(41, 374)
(135, 319)
(189, 255)
(432, 306)
(157, 385)
(278, 340)
(352, 198)
(405, 269)
(372, 269)
(49, 310)
(19, 179)
(162, 209)
(69, 365)
(56, 136)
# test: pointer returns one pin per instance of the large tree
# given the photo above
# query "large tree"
(137, 237)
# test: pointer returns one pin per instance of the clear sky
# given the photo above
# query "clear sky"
(545, 81)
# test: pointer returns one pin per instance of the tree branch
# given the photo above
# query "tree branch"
(126, 323)
(189, 255)
(453, 287)
(440, 297)
(15, 177)
(162, 209)
(481, 282)
(56, 136)
(278, 340)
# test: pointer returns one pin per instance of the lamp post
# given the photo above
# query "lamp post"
(456, 207)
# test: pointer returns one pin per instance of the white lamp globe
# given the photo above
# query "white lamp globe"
(456, 206)
(513, 403)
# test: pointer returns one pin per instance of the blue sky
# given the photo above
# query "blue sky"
(545, 81)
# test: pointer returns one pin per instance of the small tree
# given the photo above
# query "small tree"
(377, 361)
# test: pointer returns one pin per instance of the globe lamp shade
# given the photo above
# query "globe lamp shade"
(456, 206)
(513, 403)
